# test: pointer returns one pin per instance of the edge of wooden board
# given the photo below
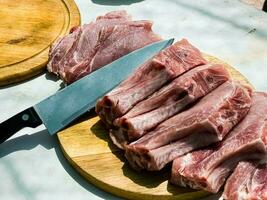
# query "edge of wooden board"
(41, 57)
(129, 194)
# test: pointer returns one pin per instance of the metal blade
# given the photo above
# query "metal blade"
(58, 110)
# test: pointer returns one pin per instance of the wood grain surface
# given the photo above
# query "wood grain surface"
(27, 29)
(87, 147)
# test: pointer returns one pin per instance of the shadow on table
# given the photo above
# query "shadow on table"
(264, 8)
(28, 142)
(115, 2)
(52, 77)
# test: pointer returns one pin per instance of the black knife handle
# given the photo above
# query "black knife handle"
(26, 118)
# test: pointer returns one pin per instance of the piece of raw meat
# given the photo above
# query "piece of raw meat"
(87, 41)
(248, 182)
(168, 101)
(151, 76)
(98, 43)
(206, 122)
(113, 43)
(208, 168)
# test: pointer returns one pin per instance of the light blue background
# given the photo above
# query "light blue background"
(32, 166)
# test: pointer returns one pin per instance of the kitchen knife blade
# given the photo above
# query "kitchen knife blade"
(58, 110)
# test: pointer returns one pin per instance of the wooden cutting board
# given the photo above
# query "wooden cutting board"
(87, 147)
(27, 29)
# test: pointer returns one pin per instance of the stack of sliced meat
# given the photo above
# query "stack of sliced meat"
(177, 107)
(148, 123)
(249, 180)
(205, 123)
(148, 78)
(98, 43)
(170, 100)
(209, 168)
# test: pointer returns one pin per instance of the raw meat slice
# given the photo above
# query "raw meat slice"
(87, 35)
(170, 100)
(258, 187)
(59, 49)
(246, 141)
(248, 182)
(113, 43)
(151, 76)
(124, 39)
(98, 43)
(258, 183)
(205, 123)
(156, 159)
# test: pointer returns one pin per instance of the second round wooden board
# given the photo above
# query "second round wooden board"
(27, 30)
(88, 148)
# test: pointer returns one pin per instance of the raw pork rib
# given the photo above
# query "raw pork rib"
(168, 101)
(98, 43)
(248, 182)
(205, 123)
(151, 76)
(209, 168)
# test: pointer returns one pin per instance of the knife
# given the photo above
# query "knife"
(58, 110)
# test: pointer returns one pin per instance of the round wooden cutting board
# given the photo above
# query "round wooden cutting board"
(88, 148)
(27, 30)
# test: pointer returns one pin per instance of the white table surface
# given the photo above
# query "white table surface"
(32, 166)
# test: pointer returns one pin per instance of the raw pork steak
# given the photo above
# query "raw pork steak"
(98, 43)
(206, 122)
(168, 101)
(208, 168)
(248, 182)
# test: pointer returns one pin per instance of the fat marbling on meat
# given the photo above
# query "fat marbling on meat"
(248, 182)
(148, 78)
(98, 43)
(209, 168)
(207, 122)
(168, 101)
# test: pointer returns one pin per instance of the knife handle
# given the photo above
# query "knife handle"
(26, 118)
